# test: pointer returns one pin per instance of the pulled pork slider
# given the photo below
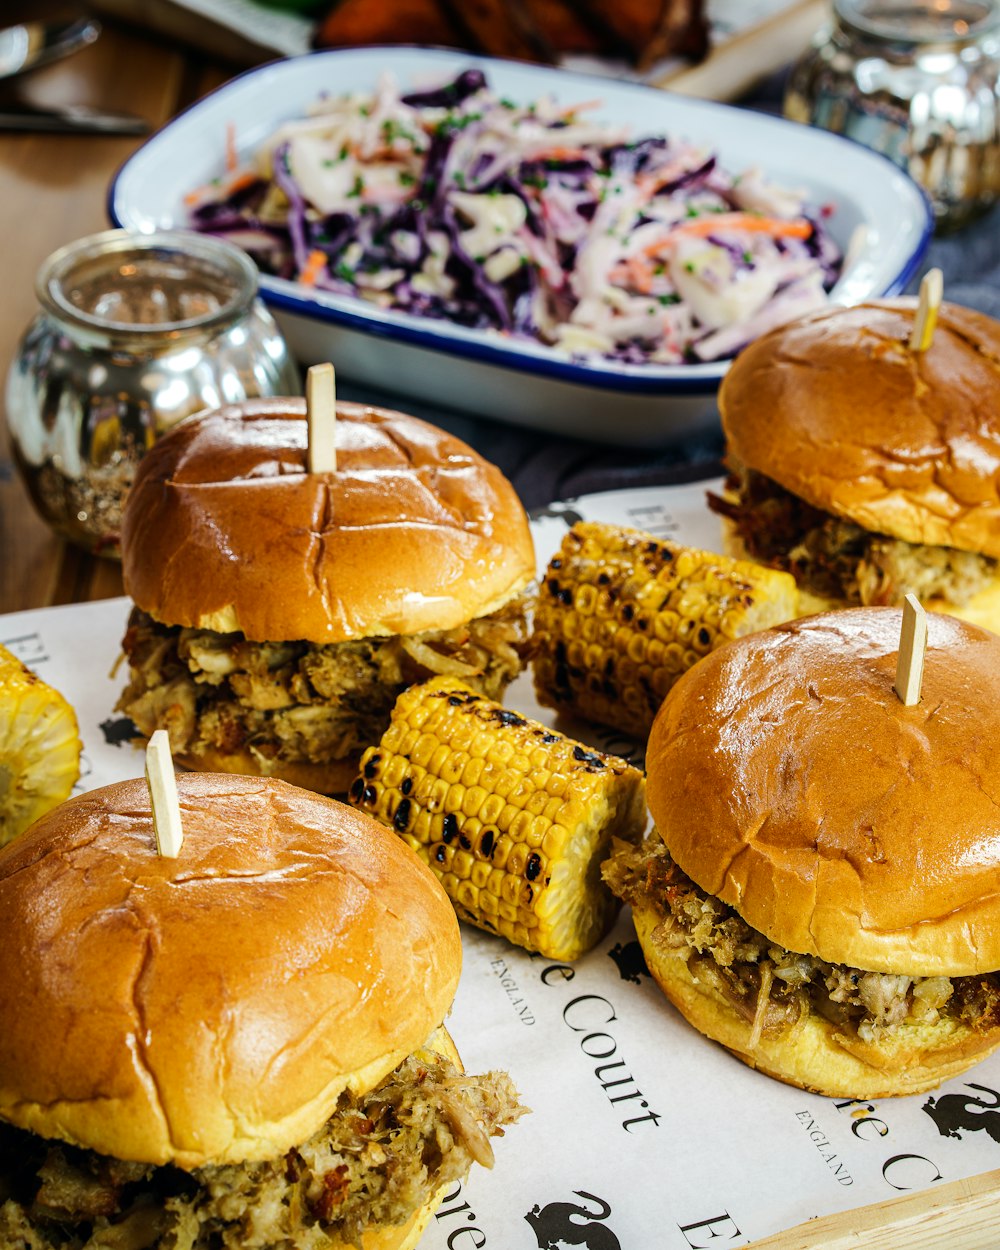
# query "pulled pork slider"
(279, 612)
(238, 1048)
(864, 468)
(821, 893)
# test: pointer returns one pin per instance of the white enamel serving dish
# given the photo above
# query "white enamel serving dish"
(476, 371)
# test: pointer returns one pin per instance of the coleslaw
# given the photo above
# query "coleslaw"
(530, 220)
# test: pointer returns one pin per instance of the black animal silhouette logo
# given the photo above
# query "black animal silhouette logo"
(955, 1113)
(119, 731)
(558, 511)
(630, 960)
(558, 1224)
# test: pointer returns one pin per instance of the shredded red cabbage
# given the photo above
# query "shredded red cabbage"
(526, 219)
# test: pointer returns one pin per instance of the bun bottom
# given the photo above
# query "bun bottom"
(815, 1054)
(333, 777)
(405, 1236)
(398, 1236)
(983, 609)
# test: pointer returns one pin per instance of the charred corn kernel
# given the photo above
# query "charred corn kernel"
(515, 823)
(621, 615)
(39, 747)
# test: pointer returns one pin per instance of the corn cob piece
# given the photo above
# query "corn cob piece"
(621, 615)
(514, 818)
(39, 747)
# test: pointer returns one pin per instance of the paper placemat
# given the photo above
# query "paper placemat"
(643, 1135)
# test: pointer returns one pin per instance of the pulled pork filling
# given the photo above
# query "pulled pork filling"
(770, 987)
(299, 700)
(379, 1158)
(837, 559)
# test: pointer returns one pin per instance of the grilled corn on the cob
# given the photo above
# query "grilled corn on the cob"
(39, 747)
(513, 817)
(621, 615)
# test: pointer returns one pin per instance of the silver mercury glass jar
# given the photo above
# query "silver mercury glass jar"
(135, 333)
(919, 81)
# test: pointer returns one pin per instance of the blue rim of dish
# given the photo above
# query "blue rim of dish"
(500, 355)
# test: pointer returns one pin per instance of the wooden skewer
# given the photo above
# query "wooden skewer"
(931, 293)
(321, 415)
(163, 796)
(912, 645)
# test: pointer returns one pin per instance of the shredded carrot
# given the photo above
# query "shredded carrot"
(315, 263)
(232, 156)
(749, 223)
(241, 180)
(245, 179)
(582, 107)
(649, 184)
(637, 272)
(558, 154)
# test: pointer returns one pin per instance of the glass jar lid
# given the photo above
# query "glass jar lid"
(933, 22)
(164, 284)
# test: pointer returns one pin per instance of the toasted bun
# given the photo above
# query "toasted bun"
(400, 1236)
(225, 530)
(211, 1008)
(838, 410)
(787, 778)
(815, 1054)
(330, 777)
(982, 609)
(395, 1236)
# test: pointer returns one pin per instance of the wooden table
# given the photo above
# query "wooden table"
(52, 191)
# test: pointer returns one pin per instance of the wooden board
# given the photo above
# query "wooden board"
(962, 1215)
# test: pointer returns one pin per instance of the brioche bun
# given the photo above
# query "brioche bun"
(211, 1008)
(838, 410)
(982, 609)
(815, 1054)
(225, 530)
(329, 777)
(788, 780)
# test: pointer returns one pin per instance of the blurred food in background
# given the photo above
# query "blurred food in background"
(639, 31)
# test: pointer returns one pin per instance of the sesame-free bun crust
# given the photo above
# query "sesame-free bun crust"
(787, 779)
(982, 609)
(225, 530)
(814, 1053)
(211, 1008)
(838, 410)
